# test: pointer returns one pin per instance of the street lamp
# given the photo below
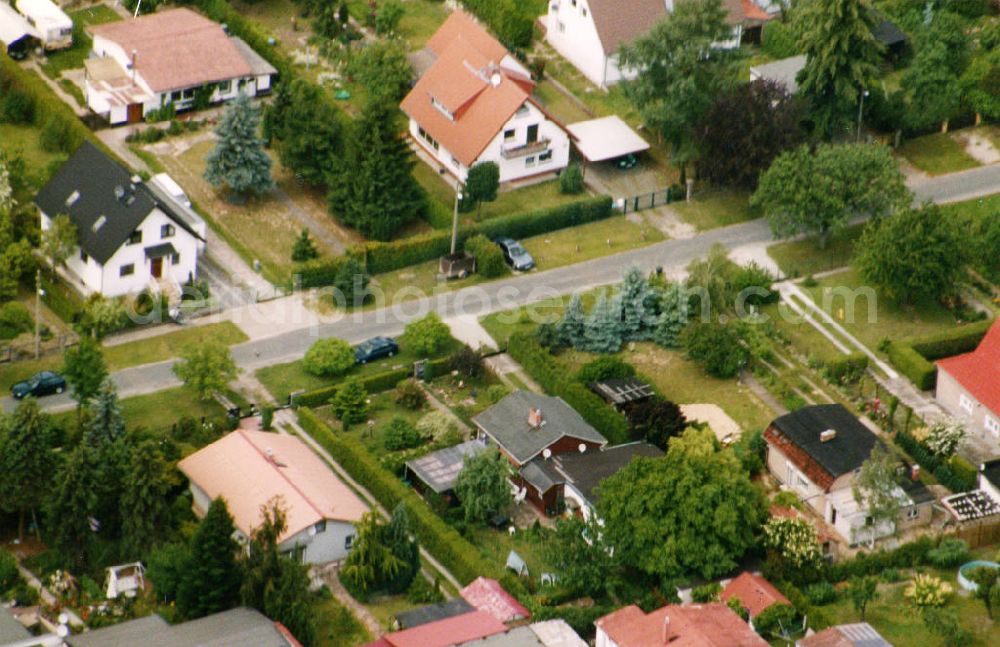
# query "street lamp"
(861, 107)
(454, 223)
(39, 293)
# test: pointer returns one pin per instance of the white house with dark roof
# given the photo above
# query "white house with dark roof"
(131, 235)
(168, 57)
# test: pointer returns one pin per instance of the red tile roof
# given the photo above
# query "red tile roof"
(800, 458)
(487, 595)
(979, 371)
(469, 80)
(450, 631)
(754, 593)
(696, 625)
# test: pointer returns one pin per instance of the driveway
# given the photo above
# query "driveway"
(608, 179)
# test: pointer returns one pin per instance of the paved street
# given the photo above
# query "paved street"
(744, 240)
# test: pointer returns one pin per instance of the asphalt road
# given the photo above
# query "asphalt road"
(516, 291)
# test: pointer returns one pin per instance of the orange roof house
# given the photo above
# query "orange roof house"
(754, 593)
(248, 469)
(488, 595)
(967, 385)
(695, 625)
(474, 105)
(444, 633)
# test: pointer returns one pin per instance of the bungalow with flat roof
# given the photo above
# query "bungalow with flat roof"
(694, 625)
(173, 57)
(967, 386)
(250, 468)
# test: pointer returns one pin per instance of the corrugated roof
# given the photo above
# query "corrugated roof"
(979, 371)
(439, 470)
(754, 593)
(557, 633)
(859, 634)
(489, 596)
(237, 627)
(517, 637)
(695, 625)
(248, 468)
(444, 633)
(432, 613)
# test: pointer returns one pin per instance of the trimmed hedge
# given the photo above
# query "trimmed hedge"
(376, 383)
(915, 357)
(319, 272)
(455, 553)
(543, 368)
(509, 20)
(847, 368)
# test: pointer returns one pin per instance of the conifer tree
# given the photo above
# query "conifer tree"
(26, 461)
(399, 537)
(304, 249)
(673, 316)
(212, 581)
(603, 328)
(350, 403)
(638, 305)
(569, 330)
(104, 438)
(71, 504)
(144, 503)
(238, 159)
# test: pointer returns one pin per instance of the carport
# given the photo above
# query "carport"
(606, 138)
(14, 30)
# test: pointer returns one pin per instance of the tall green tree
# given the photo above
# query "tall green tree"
(570, 328)
(639, 302)
(481, 185)
(59, 240)
(876, 491)
(980, 85)
(985, 579)
(482, 486)
(213, 578)
(71, 504)
(206, 368)
(145, 506)
(401, 541)
(104, 437)
(933, 88)
(916, 254)
(383, 68)
(26, 461)
(602, 330)
(805, 192)
(350, 402)
(842, 58)
(371, 560)
(238, 160)
(579, 554)
(682, 72)
(655, 420)
(84, 369)
(862, 591)
(373, 189)
(427, 335)
(692, 511)
(305, 128)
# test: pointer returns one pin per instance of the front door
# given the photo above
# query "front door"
(156, 268)
(134, 113)
(532, 133)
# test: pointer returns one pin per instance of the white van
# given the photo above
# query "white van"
(48, 23)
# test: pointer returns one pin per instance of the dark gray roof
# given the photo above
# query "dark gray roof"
(991, 472)
(105, 189)
(11, 629)
(506, 422)
(541, 474)
(621, 391)
(258, 64)
(586, 471)
(845, 453)
(234, 628)
(516, 637)
(159, 251)
(433, 613)
(886, 31)
(439, 470)
(916, 490)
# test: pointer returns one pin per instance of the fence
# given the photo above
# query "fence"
(984, 532)
(26, 350)
(649, 200)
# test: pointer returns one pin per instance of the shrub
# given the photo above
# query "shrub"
(821, 593)
(266, 417)
(14, 319)
(927, 591)
(846, 370)
(17, 107)
(350, 403)
(706, 593)
(426, 336)
(328, 357)
(9, 575)
(772, 620)
(891, 575)
(605, 368)
(717, 347)
(496, 393)
(435, 424)
(423, 592)
(58, 135)
(466, 362)
(509, 19)
(409, 395)
(489, 259)
(779, 40)
(571, 179)
(399, 433)
(949, 553)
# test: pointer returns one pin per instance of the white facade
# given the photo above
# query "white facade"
(510, 148)
(602, 639)
(129, 271)
(48, 23)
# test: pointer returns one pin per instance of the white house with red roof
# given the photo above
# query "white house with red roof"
(689, 625)
(968, 386)
(754, 593)
(474, 105)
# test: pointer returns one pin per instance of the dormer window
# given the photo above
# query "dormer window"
(73, 197)
(442, 109)
(98, 224)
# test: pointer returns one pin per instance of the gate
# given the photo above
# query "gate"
(649, 200)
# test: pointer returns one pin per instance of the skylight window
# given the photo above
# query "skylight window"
(98, 223)
(73, 197)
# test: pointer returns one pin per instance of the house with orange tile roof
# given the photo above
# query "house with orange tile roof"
(168, 58)
(967, 386)
(590, 33)
(691, 625)
(474, 105)
(755, 594)
(250, 468)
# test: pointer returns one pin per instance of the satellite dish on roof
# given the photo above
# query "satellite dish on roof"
(546, 453)
(495, 79)
(582, 447)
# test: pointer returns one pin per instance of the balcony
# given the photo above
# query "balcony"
(522, 150)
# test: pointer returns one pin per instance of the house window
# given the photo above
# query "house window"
(188, 94)
(225, 86)
(796, 479)
(442, 109)
(583, 12)
(135, 237)
(992, 425)
(175, 258)
(965, 403)
(126, 270)
(83, 257)
(562, 28)
(348, 542)
(529, 161)
(545, 157)
(73, 197)
(166, 231)
(455, 162)
(912, 514)
(175, 96)
(509, 134)
(320, 526)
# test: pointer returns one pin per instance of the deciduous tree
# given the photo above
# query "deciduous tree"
(875, 490)
(329, 357)
(384, 69)
(579, 554)
(59, 240)
(482, 486)
(371, 560)
(862, 591)
(206, 368)
(238, 160)
(655, 420)
(84, 370)
(481, 184)
(933, 88)
(427, 335)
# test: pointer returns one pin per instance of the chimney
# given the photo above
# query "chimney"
(666, 629)
(827, 436)
(914, 472)
(535, 419)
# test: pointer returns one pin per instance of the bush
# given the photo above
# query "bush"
(489, 259)
(717, 347)
(399, 433)
(927, 591)
(509, 19)
(435, 424)
(58, 135)
(266, 417)
(949, 553)
(466, 362)
(606, 367)
(426, 336)
(10, 577)
(891, 576)
(778, 40)
(821, 593)
(17, 107)
(423, 592)
(846, 370)
(571, 179)
(410, 396)
(773, 619)
(329, 357)
(706, 593)
(496, 393)
(14, 319)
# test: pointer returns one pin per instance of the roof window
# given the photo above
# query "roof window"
(73, 197)
(98, 223)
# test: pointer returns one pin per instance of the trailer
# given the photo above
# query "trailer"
(49, 24)
(15, 32)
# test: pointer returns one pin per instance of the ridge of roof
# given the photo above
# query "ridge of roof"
(272, 463)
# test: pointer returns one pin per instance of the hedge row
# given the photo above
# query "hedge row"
(509, 20)
(542, 367)
(387, 257)
(376, 383)
(454, 552)
(319, 272)
(847, 368)
(955, 474)
(915, 357)
(909, 555)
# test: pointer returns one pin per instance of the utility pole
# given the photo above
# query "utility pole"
(864, 93)
(38, 313)
(454, 221)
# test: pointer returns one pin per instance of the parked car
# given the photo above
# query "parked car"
(38, 385)
(627, 161)
(515, 255)
(375, 348)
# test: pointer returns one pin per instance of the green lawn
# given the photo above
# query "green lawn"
(336, 626)
(716, 208)
(495, 545)
(804, 257)
(157, 411)
(24, 140)
(558, 104)
(800, 334)
(936, 154)
(73, 57)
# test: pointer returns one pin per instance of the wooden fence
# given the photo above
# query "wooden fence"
(26, 350)
(983, 532)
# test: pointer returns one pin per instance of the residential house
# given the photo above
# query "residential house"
(131, 236)
(171, 57)
(967, 386)
(48, 23)
(488, 595)
(250, 468)
(860, 634)
(784, 72)
(526, 426)
(695, 625)
(755, 594)
(237, 627)
(447, 632)
(15, 32)
(474, 105)
(590, 33)
(816, 451)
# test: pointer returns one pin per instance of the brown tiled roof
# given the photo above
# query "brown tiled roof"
(754, 593)
(800, 458)
(460, 79)
(176, 49)
(695, 625)
(621, 21)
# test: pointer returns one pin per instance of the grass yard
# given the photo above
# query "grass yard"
(716, 208)
(975, 209)
(23, 140)
(802, 336)
(875, 319)
(804, 257)
(558, 104)
(529, 543)
(937, 154)
(73, 57)
(336, 626)
(501, 325)
(157, 411)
